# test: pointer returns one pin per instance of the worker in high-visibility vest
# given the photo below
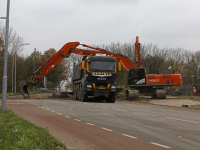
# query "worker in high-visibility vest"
(194, 90)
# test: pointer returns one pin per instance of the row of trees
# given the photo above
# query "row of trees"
(14, 40)
(183, 61)
(153, 58)
(25, 65)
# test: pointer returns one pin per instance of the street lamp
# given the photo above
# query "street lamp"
(174, 58)
(34, 67)
(192, 80)
(5, 79)
(16, 65)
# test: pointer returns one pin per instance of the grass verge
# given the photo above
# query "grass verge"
(186, 97)
(17, 133)
(13, 94)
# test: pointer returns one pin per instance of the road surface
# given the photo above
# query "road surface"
(163, 127)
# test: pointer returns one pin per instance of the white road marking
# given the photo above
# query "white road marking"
(77, 119)
(160, 145)
(15, 103)
(59, 113)
(57, 102)
(95, 106)
(67, 117)
(145, 114)
(106, 129)
(43, 107)
(130, 136)
(52, 111)
(182, 120)
(90, 124)
(86, 103)
(103, 107)
(119, 109)
(47, 109)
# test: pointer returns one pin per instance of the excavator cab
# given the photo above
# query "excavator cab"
(136, 76)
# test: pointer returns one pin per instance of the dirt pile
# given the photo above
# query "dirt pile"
(42, 96)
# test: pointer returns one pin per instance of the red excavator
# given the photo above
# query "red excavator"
(137, 80)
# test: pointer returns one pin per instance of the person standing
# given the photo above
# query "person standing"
(194, 90)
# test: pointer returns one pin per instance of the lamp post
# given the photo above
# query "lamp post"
(174, 58)
(192, 81)
(5, 79)
(34, 67)
(16, 65)
(174, 71)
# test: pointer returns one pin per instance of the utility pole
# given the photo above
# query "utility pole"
(15, 73)
(34, 67)
(5, 79)
(16, 65)
(192, 84)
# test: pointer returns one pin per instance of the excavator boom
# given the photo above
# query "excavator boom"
(129, 66)
(47, 67)
(64, 52)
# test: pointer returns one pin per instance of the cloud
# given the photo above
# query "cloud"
(50, 23)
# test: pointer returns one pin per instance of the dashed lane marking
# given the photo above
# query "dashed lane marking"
(160, 145)
(107, 129)
(67, 116)
(15, 103)
(59, 113)
(130, 136)
(145, 114)
(77, 119)
(119, 109)
(90, 124)
(182, 120)
(52, 111)
(103, 107)
(57, 102)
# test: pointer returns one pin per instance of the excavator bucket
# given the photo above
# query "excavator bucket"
(24, 85)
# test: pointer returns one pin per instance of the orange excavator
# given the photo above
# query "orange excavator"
(137, 80)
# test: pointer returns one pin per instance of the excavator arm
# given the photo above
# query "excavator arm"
(47, 67)
(65, 52)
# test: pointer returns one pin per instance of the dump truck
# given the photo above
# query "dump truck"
(96, 76)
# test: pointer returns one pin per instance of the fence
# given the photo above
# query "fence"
(187, 89)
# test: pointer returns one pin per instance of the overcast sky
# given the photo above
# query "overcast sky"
(52, 23)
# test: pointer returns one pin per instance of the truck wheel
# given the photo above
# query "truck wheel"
(111, 98)
(153, 96)
(127, 95)
(78, 93)
(74, 92)
(83, 96)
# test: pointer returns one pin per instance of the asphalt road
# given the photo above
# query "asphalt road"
(178, 129)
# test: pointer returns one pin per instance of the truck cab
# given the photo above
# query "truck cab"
(96, 76)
